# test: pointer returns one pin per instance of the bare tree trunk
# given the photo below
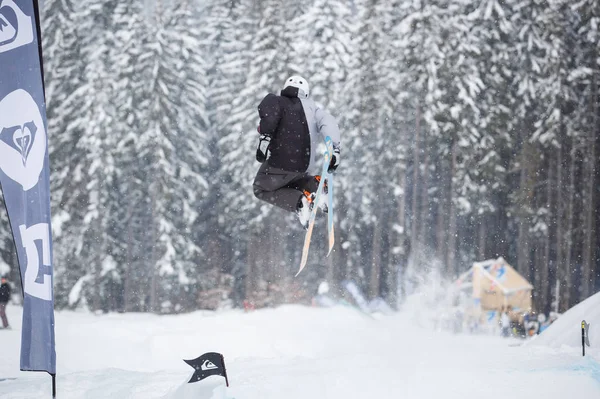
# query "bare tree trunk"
(414, 243)
(401, 250)
(588, 258)
(568, 267)
(541, 242)
(342, 271)
(331, 263)
(262, 253)
(269, 257)
(537, 260)
(452, 227)
(250, 268)
(333, 260)
(154, 275)
(127, 283)
(98, 259)
(424, 206)
(375, 279)
(524, 251)
(525, 204)
(97, 277)
(544, 265)
(559, 243)
(481, 238)
(441, 226)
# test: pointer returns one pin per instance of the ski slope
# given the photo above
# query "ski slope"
(290, 352)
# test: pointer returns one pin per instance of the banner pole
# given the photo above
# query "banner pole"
(36, 10)
(583, 337)
(225, 371)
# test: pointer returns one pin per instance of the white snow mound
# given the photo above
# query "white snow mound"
(211, 388)
(565, 332)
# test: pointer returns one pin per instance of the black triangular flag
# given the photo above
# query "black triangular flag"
(206, 365)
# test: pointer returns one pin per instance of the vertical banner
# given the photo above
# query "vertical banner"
(24, 177)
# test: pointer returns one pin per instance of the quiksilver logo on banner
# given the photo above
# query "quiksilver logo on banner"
(22, 139)
(16, 28)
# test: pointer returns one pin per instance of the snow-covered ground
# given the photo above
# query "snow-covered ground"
(290, 352)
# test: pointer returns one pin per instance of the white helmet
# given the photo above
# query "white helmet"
(300, 83)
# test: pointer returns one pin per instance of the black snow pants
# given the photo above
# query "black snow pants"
(3, 315)
(282, 188)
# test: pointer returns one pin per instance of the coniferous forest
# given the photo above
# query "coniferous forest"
(470, 130)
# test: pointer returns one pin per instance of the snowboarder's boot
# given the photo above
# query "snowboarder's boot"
(305, 206)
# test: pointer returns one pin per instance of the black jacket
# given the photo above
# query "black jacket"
(4, 293)
(283, 119)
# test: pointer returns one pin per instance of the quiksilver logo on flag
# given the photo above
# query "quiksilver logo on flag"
(22, 139)
(208, 365)
(16, 28)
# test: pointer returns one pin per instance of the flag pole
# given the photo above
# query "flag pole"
(36, 11)
(583, 337)
(225, 371)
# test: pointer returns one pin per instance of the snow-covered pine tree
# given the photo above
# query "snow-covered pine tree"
(323, 44)
(128, 194)
(373, 139)
(198, 158)
(63, 67)
(87, 251)
(171, 144)
(491, 26)
(531, 54)
(556, 129)
(552, 93)
(586, 77)
(268, 67)
(267, 70)
(419, 44)
(228, 27)
(456, 118)
(322, 50)
(360, 139)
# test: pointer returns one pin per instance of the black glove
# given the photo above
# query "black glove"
(262, 151)
(335, 160)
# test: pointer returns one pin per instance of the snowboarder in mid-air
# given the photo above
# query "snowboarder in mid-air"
(291, 127)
